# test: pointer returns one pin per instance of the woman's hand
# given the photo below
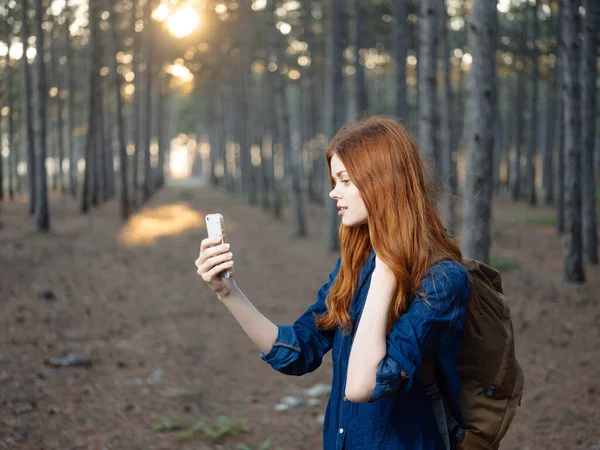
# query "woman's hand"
(213, 260)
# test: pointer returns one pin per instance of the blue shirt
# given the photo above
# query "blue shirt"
(399, 415)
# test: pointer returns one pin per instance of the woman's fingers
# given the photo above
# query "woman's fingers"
(216, 270)
(209, 242)
(208, 264)
(212, 251)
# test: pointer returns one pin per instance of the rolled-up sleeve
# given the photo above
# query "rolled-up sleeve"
(416, 334)
(299, 348)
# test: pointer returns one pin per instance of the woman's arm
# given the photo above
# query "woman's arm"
(213, 259)
(293, 350)
(415, 335)
(369, 346)
(259, 329)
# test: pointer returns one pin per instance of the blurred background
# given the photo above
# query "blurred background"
(122, 123)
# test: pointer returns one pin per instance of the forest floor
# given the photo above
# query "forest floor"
(165, 354)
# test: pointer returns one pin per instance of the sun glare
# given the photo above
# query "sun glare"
(183, 22)
(161, 12)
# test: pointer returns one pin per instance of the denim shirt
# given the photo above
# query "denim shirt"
(399, 415)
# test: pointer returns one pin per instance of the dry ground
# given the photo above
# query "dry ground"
(162, 346)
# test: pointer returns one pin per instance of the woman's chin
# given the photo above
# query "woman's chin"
(349, 222)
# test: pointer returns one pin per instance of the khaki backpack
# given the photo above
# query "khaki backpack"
(491, 378)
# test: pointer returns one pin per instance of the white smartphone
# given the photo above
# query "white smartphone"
(215, 228)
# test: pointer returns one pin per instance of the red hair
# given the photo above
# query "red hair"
(404, 229)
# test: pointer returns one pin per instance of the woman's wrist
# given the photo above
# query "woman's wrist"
(229, 291)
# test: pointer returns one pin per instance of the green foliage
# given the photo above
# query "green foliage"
(168, 424)
(226, 426)
(504, 264)
(540, 221)
(189, 433)
(223, 427)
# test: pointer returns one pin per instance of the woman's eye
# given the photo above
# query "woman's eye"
(345, 182)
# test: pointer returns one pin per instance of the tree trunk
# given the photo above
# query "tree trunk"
(60, 125)
(295, 162)
(551, 134)
(427, 69)
(70, 103)
(362, 104)
(120, 127)
(276, 134)
(590, 71)
(148, 186)
(267, 150)
(337, 111)
(89, 188)
(559, 191)
(42, 214)
(228, 166)
(162, 126)
(313, 122)
(533, 129)
(400, 37)
(26, 90)
(137, 111)
(477, 203)
(447, 122)
(12, 157)
(101, 148)
(571, 91)
(519, 126)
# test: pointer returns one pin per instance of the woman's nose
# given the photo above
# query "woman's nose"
(333, 194)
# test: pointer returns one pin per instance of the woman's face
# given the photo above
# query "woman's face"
(349, 202)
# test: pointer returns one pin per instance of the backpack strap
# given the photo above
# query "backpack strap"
(447, 424)
(432, 390)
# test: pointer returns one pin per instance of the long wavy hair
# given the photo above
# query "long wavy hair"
(403, 228)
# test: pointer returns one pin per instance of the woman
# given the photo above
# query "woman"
(395, 301)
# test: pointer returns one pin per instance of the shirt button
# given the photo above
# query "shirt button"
(341, 430)
(345, 398)
(402, 373)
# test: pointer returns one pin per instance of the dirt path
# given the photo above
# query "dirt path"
(161, 346)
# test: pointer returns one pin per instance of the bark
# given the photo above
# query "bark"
(400, 37)
(571, 91)
(89, 193)
(120, 126)
(12, 158)
(70, 85)
(313, 120)
(163, 126)
(533, 129)
(477, 203)
(590, 71)
(26, 90)
(448, 123)
(516, 180)
(426, 81)
(337, 111)
(362, 104)
(148, 186)
(137, 112)
(42, 213)
(273, 117)
(58, 103)
(548, 154)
